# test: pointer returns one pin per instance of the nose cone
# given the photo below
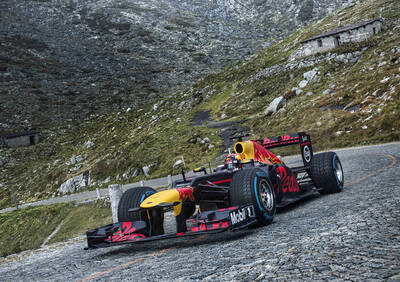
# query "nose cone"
(167, 196)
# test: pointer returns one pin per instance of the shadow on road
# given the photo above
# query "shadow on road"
(298, 204)
(198, 240)
(176, 243)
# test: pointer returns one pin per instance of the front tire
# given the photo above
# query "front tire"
(327, 173)
(251, 186)
(132, 198)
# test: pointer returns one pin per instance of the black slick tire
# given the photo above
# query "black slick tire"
(251, 186)
(132, 198)
(327, 173)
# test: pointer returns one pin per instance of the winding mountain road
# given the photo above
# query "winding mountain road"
(353, 235)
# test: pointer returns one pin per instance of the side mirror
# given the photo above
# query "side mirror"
(200, 169)
(180, 163)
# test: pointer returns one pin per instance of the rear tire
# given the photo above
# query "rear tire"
(132, 198)
(251, 186)
(327, 173)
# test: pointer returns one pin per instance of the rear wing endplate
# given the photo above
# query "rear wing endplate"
(291, 139)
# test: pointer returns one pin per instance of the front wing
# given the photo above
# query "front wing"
(232, 218)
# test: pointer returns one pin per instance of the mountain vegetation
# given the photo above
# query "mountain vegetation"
(73, 60)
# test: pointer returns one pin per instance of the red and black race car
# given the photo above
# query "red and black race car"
(244, 191)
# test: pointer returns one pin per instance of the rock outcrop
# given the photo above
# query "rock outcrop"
(275, 105)
(75, 183)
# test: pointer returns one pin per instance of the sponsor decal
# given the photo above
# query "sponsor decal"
(242, 214)
(268, 141)
(280, 140)
(289, 181)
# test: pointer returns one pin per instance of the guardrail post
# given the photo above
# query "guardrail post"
(98, 193)
(169, 181)
(115, 192)
(141, 183)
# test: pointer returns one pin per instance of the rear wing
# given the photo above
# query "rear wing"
(291, 139)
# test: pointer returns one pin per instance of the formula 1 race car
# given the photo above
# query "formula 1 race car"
(245, 191)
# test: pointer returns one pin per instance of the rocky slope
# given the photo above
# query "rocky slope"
(349, 96)
(62, 61)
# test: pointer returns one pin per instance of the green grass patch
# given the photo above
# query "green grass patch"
(28, 228)
(82, 218)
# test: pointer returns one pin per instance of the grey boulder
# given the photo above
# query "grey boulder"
(275, 105)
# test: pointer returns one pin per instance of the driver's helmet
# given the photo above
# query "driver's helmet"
(229, 158)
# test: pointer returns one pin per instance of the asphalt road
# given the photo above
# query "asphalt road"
(353, 235)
